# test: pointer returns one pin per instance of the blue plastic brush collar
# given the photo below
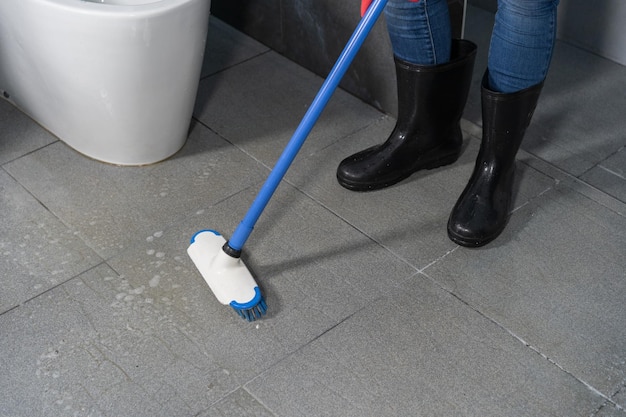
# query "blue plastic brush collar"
(250, 304)
(252, 310)
(193, 238)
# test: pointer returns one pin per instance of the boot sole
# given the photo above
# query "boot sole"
(469, 242)
(373, 186)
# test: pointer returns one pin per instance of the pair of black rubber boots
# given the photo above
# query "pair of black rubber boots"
(428, 135)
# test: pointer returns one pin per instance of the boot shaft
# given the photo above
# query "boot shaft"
(505, 119)
(432, 97)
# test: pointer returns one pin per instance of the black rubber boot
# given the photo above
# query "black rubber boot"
(482, 211)
(427, 133)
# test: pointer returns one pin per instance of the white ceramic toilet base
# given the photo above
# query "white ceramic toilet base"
(115, 80)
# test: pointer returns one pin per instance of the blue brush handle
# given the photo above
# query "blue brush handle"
(243, 231)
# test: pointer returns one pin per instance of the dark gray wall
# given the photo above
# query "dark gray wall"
(313, 34)
(597, 26)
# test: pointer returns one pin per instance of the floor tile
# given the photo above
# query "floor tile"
(372, 309)
(19, 135)
(313, 268)
(110, 206)
(610, 175)
(37, 251)
(226, 47)
(238, 404)
(98, 346)
(145, 335)
(419, 352)
(578, 121)
(609, 410)
(575, 127)
(558, 284)
(259, 104)
(409, 218)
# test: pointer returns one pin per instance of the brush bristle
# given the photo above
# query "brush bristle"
(252, 313)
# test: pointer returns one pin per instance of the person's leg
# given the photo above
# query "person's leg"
(420, 31)
(521, 49)
(433, 76)
(521, 44)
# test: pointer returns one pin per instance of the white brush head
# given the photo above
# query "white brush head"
(228, 277)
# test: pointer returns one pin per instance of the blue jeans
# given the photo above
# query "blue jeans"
(521, 46)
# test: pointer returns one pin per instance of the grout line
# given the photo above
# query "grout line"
(528, 345)
(290, 355)
(34, 297)
(258, 400)
(236, 64)
(610, 171)
(238, 147)
(555, 363)
(439, 259)
(560, 176)
(610, 402)
(5, 163)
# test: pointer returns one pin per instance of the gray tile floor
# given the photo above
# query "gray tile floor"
(372, 310)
